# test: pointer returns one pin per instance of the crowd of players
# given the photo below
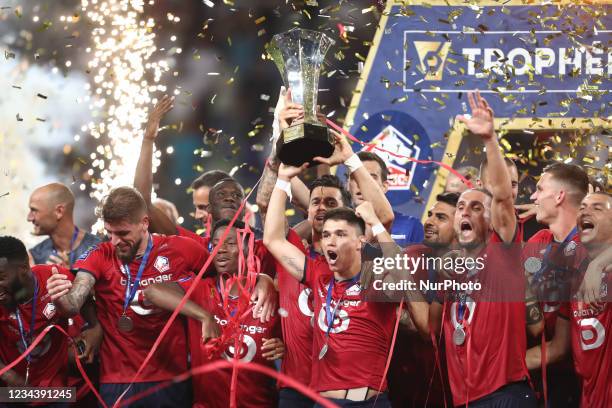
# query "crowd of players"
(291, 297)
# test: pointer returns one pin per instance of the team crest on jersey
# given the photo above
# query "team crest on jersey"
(162, 264)
(354, 290)
(49, 311)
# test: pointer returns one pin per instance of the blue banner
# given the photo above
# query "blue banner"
(527, 61)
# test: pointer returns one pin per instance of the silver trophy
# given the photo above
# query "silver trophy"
(298, 55)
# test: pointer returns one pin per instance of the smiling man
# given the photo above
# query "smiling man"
(118, 271)
(484, 331)
(591, 324)
(548, 258)
(211, 307)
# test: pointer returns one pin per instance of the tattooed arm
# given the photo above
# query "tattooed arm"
(69, 296)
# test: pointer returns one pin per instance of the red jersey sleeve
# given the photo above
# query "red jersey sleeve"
(313, 268)
(92, 261)
(184, 232)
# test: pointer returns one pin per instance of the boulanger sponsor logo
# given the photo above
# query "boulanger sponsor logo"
(401, 169)
(467, 58)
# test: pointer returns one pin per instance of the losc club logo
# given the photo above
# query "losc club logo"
(162, 264)
(432, 57)
(401, 169)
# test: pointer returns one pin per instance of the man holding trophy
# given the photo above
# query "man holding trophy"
(351, 337)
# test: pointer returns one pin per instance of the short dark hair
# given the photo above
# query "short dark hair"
(572, 176)
(370, 156)
(329, 180)
(448, 198)
(13, 249)
(481, 189)
(209, 179)
(123, 204)
(346, 214)
(485, 162)
(224, 223)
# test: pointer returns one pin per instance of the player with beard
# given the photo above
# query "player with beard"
(25, 310)
(485, 350)
(591, 323)
(414, 356)
(51, 210)
(551, 254)
(209, 314)
(118, 271)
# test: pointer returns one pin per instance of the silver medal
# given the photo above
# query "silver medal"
(533, 264)
(459, 336)
(323, 351)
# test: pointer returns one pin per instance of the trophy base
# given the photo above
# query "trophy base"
(300, 143)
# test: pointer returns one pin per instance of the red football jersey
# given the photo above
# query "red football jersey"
(213, 389)
(536, 248)
(49, 360)
(592, 351)
(360, 339)
(295, 299)
(495, 331)
(172, 258)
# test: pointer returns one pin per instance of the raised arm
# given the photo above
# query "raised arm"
(290, 257)
(285, 113)
(68, 296)
(370, 190)
(503, 217)
(143, 179)
(417, 306)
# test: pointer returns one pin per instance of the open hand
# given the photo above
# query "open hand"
(481, 121)
(155, 116)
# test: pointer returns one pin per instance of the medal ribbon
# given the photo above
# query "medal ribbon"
(545, 261)
(329, 315)
(131, 288)
(75, 234)
(26, 343)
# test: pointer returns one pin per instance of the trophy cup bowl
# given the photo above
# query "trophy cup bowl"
(298, 55)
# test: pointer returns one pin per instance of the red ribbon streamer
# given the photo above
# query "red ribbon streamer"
(412, 159)
(35, 343)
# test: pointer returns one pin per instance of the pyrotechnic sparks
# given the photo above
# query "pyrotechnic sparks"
(124, 75)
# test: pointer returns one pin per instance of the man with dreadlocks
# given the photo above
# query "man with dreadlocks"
(220, 304)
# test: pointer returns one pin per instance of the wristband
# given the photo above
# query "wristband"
(353, 163)
(285, 186)
(378, 229)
